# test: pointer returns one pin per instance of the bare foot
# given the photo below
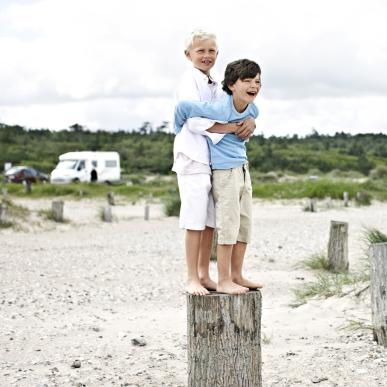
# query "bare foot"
(248, 284)
(208, 283)
(230, 287)
(195, 288)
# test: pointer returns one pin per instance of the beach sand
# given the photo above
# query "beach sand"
(87, 303)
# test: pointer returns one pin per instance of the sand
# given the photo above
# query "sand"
(88, 303)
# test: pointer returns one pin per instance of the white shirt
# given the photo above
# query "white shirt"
(190, 148)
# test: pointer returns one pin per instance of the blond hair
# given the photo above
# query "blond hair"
(197, 33)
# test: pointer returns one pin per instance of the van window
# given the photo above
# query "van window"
(94, 163)
(81, 165)
(110, 163)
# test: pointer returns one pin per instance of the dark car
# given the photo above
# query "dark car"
(20, 174)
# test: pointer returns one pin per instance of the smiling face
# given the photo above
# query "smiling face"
(202, 54)
(244, 91)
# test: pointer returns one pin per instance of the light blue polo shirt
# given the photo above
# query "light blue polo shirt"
(230, 152)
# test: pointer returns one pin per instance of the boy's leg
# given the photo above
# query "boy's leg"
(204, 258)
(225, 283)
(226, 190)
(237, 258)
(193, 191)
(244, 236)
(192, 243)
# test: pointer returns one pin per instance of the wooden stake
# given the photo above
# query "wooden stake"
(338, 247)
(378, 260)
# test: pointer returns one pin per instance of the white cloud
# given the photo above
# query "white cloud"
(116, 63)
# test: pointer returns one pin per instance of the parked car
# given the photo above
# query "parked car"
(19, 174)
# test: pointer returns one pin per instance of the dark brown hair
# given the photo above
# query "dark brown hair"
(239, 69)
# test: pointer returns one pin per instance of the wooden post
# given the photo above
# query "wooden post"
(338, 246)
(57, 210)
(27, 186)
(4, 192)
(346, 199)
(378, 260)
(146, 211)
(110, 199)
(313, 205)
(107, 214)
(224, 340)
(3, 213)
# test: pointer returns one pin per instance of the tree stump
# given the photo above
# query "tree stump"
(3, 213)
(107, 214)
(338, 247)
(346, 199)
(110, 199)
(378, 260)
(57, 210)
(224, 340)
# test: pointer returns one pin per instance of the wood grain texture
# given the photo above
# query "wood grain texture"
(378, 260)
(338, 247)
(224, 340)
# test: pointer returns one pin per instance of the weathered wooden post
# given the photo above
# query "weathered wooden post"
(57, 210)
(338, 246)
(378, 260)
(146, 211)
(110, 199)
(346, 199)
(4, 192)
(224, 340)
(3, 213)
(27, 186)
(313, 205)
(107, 214)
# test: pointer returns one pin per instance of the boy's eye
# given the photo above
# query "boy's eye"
(200, 51)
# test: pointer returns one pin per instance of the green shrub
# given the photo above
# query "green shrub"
(172, 204)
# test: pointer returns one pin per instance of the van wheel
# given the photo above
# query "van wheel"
(76, 180)
(93, 176)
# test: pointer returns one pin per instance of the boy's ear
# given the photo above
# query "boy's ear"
(187, 55)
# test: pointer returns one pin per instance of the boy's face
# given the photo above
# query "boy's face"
(203, 54)
(245, 90)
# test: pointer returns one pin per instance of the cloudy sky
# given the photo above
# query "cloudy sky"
(113, 64)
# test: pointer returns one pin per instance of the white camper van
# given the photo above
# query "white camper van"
(88, 167)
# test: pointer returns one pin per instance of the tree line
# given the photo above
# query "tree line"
(149, 150)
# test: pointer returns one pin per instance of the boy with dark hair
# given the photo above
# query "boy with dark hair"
(231, 183)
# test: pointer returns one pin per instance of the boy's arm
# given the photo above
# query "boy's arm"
(189, 109)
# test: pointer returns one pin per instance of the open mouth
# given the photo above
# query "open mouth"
(207, 62)
(252, 93)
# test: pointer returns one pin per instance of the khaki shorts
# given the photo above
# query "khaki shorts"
(232, 193)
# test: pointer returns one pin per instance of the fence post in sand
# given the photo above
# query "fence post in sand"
(107, 214)
(27, 186)
(378, 260)
(224, 340)
(57, 210)
(110, 199)
(3, 213)
(313, 205)
(346, 199)
(4, 192)
(338, 247)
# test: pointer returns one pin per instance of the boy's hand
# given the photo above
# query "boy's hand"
(245, 129)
